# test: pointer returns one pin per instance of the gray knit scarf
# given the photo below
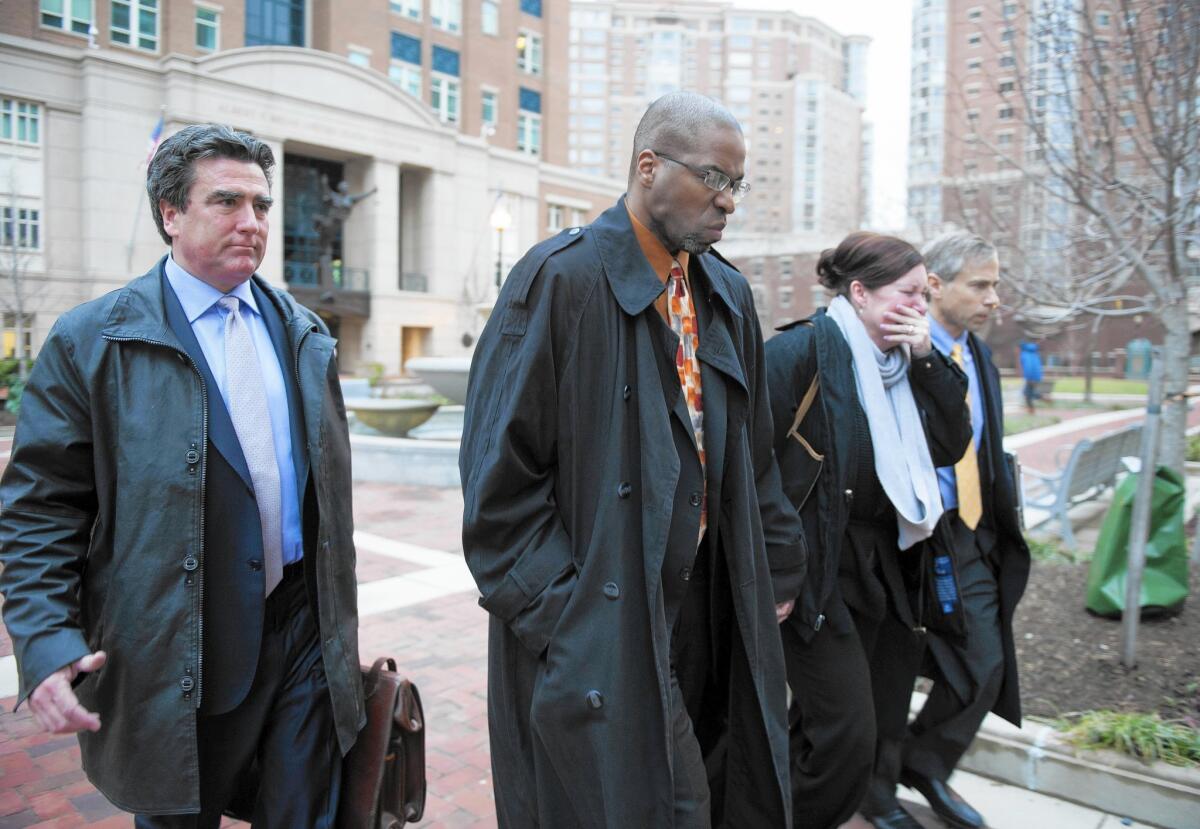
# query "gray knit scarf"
(902, 459)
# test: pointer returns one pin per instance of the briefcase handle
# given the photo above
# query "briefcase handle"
(371, 684)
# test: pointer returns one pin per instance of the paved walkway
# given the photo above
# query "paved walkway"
(418, 603)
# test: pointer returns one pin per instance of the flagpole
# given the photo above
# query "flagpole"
(155, 140)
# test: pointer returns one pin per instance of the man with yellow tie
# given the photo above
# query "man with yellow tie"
(992, 560)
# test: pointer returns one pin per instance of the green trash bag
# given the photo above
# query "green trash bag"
(1165, 578)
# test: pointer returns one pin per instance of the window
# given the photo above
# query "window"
(489, 107)
(529, 53)
(533, 7)
(443, 97)
(974, 64)
(489, 17)
(1103, 18)
(1006, 87)
(68, 15)
(443, 86)
(24, 232)
(406, 8)
(529, 122)
(275, 22)
(554, 217)
(359, 56)
(578, 217)
(1007, 35)
(208, 29)
(1007, 61)
(785, 296)
(405, 67)
(135, 23)
(446, 14)
(974, 39)
(8, 342)
(1004, 113)
(20, 121)
(975, 13)
(1009, 10)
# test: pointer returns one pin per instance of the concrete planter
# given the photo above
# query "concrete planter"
(1036, 757)
(392, 417)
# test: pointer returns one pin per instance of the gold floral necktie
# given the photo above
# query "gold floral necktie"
(682, 317)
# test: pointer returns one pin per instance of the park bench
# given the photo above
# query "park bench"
(1090, 468)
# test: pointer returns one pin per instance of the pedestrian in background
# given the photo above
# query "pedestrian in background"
(1031, 370)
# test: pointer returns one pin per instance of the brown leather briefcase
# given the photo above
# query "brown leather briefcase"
(383, 776)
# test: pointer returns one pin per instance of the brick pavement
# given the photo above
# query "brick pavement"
(441, 643)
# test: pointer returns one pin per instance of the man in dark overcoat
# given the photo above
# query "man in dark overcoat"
(616, 447)
(178, 561)
(979, 673)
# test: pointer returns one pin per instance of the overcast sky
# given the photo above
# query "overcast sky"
(888, 23)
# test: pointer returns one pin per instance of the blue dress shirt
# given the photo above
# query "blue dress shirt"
(207, 318)
(943, 342)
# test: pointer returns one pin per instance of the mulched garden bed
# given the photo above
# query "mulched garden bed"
(1070, 660)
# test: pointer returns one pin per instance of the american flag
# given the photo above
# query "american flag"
(154, 140)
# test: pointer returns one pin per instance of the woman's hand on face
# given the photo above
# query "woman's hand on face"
(906, 325)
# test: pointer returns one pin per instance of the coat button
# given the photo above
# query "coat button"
(686, 574)
(611, 590)
(573, 231)
(626, 392)
(624, 489)
(849, 495)
(255, 564)
(595, 699)
(187, 684)
(694, 499)
(819, 621)
(192, 456)
(190, 563)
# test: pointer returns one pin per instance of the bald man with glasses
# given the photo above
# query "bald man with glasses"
(616, 456)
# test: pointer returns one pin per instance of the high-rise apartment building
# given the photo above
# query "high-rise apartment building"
(797, 87)
(450, 114)
(996, 86)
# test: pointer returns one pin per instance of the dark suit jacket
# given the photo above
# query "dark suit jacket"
(232, 545)
(999, 534)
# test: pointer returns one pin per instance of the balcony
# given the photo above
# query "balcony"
(344, 292)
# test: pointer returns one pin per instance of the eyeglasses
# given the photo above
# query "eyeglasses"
(713, 179)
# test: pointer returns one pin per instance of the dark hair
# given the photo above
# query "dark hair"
(873, 259)
(171, 171)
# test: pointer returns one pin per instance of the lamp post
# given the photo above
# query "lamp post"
(500, 222)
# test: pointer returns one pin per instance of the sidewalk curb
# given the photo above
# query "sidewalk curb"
(1036, 758)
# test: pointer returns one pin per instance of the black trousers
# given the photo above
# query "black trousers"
(846, 704)
(282, 735)
(969, 676)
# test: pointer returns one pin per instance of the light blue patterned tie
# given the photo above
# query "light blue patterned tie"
(252, 422)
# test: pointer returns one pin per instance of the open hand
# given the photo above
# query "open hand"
(54, 703)
(782, 611)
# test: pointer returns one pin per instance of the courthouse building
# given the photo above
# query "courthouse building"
(452, 115)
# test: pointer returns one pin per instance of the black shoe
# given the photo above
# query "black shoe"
(946, 803)
(897, 819)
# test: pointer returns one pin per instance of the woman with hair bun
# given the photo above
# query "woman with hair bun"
(865, 410)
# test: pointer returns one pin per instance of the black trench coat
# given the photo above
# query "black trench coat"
(569, 472)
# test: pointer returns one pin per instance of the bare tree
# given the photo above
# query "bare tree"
(1107, 160)
(18, 237)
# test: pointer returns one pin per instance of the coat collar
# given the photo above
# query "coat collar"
(140, 313)
(630, 277)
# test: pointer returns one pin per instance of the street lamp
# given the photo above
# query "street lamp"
(500, 222)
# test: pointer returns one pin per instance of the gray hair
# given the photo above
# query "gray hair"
(172, 170)
(949, 254)
(674, 122)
